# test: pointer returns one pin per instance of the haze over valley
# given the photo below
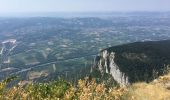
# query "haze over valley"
(50, 45)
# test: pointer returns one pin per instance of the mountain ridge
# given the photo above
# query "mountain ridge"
(134, 62)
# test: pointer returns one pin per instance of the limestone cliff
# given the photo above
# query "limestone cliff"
(106, 64)
(134, 62)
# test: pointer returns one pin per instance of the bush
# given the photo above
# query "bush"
(87, 89)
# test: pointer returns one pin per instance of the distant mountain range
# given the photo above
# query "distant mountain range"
(135, 62)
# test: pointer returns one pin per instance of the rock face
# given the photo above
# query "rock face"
(8, 46)
(140, 61)
(106, 64)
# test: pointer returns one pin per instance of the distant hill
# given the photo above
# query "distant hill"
(134, 62)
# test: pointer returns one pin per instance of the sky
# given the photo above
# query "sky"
(13, 6)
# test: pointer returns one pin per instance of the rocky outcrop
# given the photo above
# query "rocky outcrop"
(106, 64)
(140, 61)
(7, 47)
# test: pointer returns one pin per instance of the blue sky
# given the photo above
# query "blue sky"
(82, 5)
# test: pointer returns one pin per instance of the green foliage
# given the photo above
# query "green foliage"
(54, 89)
(58, 90)
(86, 90)
(4, 83)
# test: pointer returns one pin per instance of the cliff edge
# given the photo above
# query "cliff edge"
(135, 62)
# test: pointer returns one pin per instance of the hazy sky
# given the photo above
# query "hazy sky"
(82, 5)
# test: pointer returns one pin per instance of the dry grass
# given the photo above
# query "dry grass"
(159, 89)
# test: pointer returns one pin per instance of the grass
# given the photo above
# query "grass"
(86, 89)
(159, 89)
